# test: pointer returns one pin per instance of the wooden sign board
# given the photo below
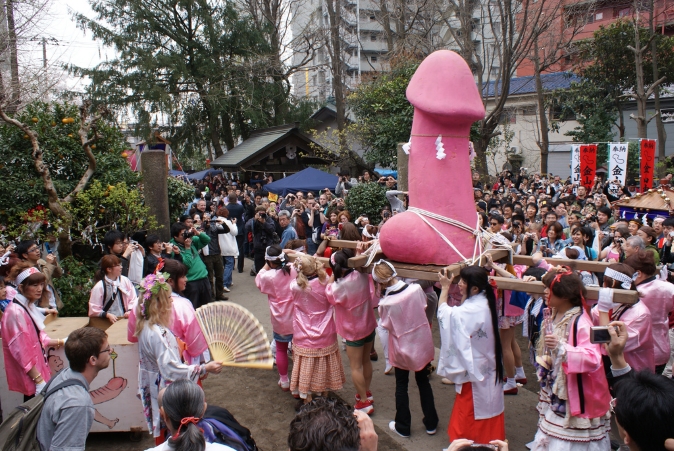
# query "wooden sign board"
(114, 390)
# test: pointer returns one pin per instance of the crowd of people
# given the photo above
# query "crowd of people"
(157, 286)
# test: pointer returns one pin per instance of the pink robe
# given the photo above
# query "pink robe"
(585, 359)
(21, 350)
(275, 283)
(658, 295)
(96, 301)
(313, 321)
(410, 342)
(352, 297)
(184, 325)
(639, 350)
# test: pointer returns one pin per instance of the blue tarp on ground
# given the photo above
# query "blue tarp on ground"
(309, 179)
(202, 174)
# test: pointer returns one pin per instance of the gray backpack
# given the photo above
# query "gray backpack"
(18, 432)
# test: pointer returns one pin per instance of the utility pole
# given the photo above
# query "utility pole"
(44, 52)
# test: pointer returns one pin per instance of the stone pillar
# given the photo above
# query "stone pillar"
(155, 189)
(403, 162)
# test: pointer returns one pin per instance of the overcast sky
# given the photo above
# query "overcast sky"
(71, 45)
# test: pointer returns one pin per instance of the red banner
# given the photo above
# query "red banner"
(588, 165)
(647, 164)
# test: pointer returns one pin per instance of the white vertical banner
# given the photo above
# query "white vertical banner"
(575, 164)
(617, 167)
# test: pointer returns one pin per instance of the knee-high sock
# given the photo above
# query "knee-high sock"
(282, 358)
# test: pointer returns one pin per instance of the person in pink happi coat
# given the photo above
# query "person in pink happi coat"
(317, 363)
(23, 338)
(352, 293)
(402, 309)
(658, 295)
(274, 281)
(639, 349)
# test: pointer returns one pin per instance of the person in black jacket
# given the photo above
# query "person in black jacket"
(263, 236)
(155, 249)
(117, 244)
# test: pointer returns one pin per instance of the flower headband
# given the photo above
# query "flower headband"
(626, 281)
(383, 262)
(26, 273)
(151, 285)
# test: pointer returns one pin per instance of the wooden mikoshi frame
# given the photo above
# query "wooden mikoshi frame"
(430, 272)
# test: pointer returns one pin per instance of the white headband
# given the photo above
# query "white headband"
(281, 257)
(377, 279)
(26, 273)
(615, 275)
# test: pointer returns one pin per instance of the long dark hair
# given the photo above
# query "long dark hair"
(274, 251)
(476, 276)
(339, 263)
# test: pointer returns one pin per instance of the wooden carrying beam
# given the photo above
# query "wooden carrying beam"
(619, 296)
(579, 265)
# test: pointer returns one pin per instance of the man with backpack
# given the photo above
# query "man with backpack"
(67, 414)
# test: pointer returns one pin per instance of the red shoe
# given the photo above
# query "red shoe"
(369, 396)
(364, 406)
(510, 391)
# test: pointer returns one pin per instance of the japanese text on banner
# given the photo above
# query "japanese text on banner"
(588, 165)
(647, 163)
(617, 167)
(575, 164)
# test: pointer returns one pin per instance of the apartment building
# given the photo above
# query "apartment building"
(363, 45)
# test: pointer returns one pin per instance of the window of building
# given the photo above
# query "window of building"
(373, 59)
(529, 110)
(372, 18)
(624, 12)
(373, 37)
(508, 116)
(599, 16)
(321, 77)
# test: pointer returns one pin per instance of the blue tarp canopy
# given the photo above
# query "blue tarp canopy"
(202, 174)
(386, 172)
(309, 179)
(174, 173)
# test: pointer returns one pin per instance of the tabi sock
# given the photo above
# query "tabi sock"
(510, 383)
(519, 372)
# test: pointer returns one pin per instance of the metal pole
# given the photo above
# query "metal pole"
(358, 34)
(44, 52)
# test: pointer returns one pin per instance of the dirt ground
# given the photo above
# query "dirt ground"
(256, 401)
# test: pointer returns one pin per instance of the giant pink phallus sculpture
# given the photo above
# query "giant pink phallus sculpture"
(446, 102)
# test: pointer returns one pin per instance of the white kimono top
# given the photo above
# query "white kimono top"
(467, 353)
(159, 365)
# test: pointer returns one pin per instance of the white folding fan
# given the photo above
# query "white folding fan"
(234, 336)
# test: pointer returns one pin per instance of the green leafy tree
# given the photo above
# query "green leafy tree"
(101, 207)
(606, 65)
(49, 153)
(204, 64)
(384, 113)
(179, 193)
(366, 199)
(75, 285)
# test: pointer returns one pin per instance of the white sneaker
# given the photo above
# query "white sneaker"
(392, 427)
(388, 370)
(226, 289)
